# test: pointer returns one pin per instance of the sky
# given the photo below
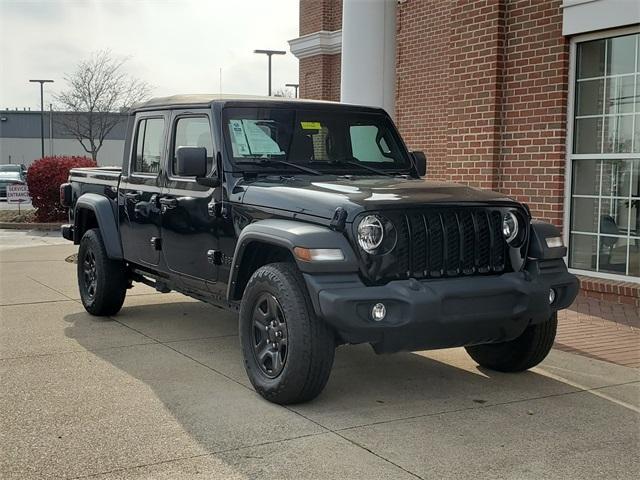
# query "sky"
(177, 46)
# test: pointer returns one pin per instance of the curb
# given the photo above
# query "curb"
(30, 226)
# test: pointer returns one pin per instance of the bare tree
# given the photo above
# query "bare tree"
(97, 91)
(283, 92)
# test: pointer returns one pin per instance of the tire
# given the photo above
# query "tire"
(520, 354)
(298, 368)
(102, 282)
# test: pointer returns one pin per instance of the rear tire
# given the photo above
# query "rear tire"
(288, 351)
(520, 354)
(102, 281)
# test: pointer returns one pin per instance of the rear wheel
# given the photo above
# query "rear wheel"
(288, 351)
(520, 354)
(102, 281)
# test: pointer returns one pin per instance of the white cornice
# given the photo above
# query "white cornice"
(318, 43)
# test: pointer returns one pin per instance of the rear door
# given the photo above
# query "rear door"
(140, 188)
(188, 220)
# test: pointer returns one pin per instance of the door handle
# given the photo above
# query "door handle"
(168, 202)
(133, 196)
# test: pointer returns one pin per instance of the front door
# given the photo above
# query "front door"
(140, 188)
(189, 222)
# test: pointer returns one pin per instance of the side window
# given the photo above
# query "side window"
(149, 144)
(192, 132)
(368, 144)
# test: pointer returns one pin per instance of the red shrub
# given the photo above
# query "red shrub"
(44, 178)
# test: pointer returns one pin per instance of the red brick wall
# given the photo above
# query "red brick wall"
(533, 136)
(422, 85)
(476, 45)
(481, 88)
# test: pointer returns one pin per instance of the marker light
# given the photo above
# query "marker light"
(318, 254)
(554, 242)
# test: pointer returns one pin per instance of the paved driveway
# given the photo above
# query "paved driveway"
(160, 392)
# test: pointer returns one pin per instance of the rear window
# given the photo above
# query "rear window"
(149, 145)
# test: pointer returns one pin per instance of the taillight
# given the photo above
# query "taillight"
(65, 195)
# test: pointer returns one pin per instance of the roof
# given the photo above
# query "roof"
(206, 99)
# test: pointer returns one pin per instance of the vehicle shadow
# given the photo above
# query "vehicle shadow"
(217, 410)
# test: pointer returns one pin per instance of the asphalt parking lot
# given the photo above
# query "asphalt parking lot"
(159, 391)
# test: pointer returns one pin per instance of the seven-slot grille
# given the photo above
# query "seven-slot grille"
(450, 242)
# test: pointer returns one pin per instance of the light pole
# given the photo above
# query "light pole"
(269, 53)
(41, 82)
(294, 86)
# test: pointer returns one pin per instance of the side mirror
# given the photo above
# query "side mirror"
(191, 161)
(213, 181)
(420, 162)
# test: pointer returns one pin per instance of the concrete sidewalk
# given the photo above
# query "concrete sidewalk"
(159, 391)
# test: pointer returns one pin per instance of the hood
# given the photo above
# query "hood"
(10, 176)
(321, 195)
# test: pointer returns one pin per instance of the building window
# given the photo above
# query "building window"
(605, 158)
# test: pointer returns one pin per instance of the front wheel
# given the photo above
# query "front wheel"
(520, 354)
(101, 280)
(288, 351)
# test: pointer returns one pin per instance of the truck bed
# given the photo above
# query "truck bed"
(100, 180)
(96, 175)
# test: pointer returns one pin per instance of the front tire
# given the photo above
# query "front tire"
(520, 354)
(102, 281)
(288, 351)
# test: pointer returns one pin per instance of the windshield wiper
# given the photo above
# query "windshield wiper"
(270, 162)
(357, 164)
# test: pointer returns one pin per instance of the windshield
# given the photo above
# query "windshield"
(328, 141)
(10, 168)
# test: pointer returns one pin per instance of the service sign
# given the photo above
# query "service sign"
(17, 194)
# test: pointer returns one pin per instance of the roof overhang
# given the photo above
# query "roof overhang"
(583, 16)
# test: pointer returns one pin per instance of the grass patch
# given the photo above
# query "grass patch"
(12, 216)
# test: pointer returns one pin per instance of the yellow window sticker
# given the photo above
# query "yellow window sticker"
(310, 125)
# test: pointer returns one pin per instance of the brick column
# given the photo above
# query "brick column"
(318, 49)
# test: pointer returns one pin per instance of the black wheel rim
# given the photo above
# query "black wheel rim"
(89, 274)
(270, 335)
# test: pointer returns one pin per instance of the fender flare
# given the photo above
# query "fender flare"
(289, 234)
(538, 247)
(101, 207)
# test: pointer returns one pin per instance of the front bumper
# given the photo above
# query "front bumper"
(445, 312)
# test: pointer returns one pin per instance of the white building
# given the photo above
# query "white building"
(20, 140)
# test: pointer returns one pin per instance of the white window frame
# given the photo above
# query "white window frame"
(573, 43)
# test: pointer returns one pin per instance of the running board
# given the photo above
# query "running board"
(142, 277)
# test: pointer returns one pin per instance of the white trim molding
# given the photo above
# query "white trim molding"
(582, 16)
(318, 43)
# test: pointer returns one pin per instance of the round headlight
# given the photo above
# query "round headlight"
(510, 226)
(370, 233)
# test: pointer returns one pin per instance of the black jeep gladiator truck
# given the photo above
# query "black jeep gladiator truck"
(312, 220)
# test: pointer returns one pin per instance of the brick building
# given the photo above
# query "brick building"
(539, 99)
